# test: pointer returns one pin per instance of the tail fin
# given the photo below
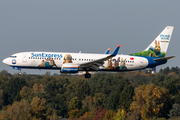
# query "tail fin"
(159, 46)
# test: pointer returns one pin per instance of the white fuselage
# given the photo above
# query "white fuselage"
(35, 60)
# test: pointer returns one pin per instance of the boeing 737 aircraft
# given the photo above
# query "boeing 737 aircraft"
(152, 56)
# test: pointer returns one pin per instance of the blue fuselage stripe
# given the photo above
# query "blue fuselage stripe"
(152, 63)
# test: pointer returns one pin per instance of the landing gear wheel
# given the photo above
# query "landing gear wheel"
(87, 75)
(19, 73)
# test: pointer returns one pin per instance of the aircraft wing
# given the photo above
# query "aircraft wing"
(99, 62)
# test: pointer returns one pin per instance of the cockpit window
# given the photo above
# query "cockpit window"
(13, 56)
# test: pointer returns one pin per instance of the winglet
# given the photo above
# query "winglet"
(116, 50)
(108, 50)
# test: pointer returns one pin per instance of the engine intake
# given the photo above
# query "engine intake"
(69, 68)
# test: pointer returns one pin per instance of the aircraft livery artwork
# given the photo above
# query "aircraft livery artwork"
(153, 51)
(47, 63)
(67, 58)
(116, 64)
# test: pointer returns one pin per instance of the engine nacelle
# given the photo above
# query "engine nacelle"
(69, 68)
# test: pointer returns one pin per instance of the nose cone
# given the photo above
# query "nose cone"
(6, 61)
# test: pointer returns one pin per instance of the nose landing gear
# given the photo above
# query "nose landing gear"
(17, 68)
(20, 72)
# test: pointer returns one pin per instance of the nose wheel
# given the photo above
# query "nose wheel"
(87, 75)
(19, 72)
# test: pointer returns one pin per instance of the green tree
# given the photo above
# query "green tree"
(48, 73)
(126, 97)
(25, 92)
(109, 115)
(74, 113)
(17, 97)
(159, 80)
(12, 87)
(171, 87)
(99, 113)
(166, 70)
(75, 103)
(40, 110)
(112, 101)
(121, 115)
(18, 111)
(100, 99)
(177, 98)
(107, 83)
(155, 101)
(175, 111)
(1, 98)
(78, 87)
(88, 102)
(4, 73)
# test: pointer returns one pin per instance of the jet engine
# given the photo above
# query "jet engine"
(69, 68)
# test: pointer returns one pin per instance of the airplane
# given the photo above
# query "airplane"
(152, 56)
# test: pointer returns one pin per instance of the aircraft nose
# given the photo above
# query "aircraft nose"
(6, 61)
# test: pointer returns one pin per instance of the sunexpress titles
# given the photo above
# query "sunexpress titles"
(46, 55)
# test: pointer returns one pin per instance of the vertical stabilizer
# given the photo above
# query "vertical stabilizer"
(159, 46)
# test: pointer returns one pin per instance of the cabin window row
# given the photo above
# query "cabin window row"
(44, 58)
(60, 59)
(120, 61)
(13, 56)
(86, 59)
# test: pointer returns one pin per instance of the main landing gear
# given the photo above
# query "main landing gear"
(87, 75)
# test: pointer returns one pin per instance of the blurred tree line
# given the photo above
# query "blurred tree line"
(105, 96)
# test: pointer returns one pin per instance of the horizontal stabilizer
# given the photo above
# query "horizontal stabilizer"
(165, 58)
